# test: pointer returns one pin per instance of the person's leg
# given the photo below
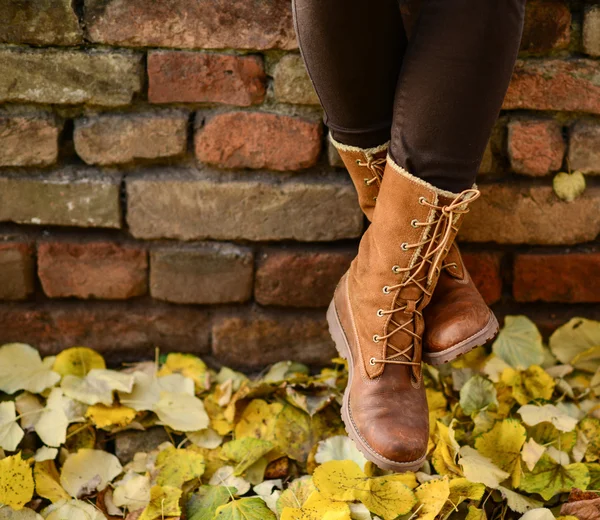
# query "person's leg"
(454, 76)
(353, 53)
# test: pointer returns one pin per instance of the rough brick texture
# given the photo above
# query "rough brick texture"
(69, 197)
(253, 339)
(39, 22)
(484, 269)
(28, 140)
(553, 84)
(584, 147)
(117, 139)
(16, 270)
(188, 206)
(547, 26)
(570, 278)
(535, 147)
(238, 24)
(508, 214)
(591, 30)
(291, 82)
(199, 77)
(259, 140)
(121, 331)
(95, 77)
(299, 278)
(100, 270)
(201, 274)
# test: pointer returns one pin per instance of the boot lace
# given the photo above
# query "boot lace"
(376, 167)
(432, 251)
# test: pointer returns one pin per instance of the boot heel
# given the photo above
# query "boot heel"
(335, 330)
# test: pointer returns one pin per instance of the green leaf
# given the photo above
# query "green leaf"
(203, 504)
(244, 452)
(477, 394)
(252, 508)
(519, 343)
(574, 337)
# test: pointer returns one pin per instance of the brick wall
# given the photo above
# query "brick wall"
(165, 180)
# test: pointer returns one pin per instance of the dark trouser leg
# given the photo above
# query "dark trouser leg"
(353, 52)
(454, 76)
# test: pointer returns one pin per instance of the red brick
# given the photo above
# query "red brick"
(118, 139)
(16, 270)
(207, 274)
(553, 84)
(569, 277)
(122, 331)
(535, 147)
(259, 140)
(235, 24)
(484, 269)
(28, 140)
(591, 30)
(254, 338)
(547, 26)
(200, 77)
(584, 147)
(512, 214)
(102, 270)
(299, 278)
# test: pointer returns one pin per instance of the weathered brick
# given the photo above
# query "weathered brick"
(553, 84)
(16, 270)
(291, 82)
(238, 24)
(94, 77)
(28, 140)
(259, 140)
(69, 197)
(216, 273)
(484, 268)
(333, 156)
(122, 138)
(201, 77)
(584, 147)
(192, 206)
(509, 214)
(39, 22)
(591, 30)
(255, 338)
(535, 147)
(299, 278)
(101, 270)
(121, 331)
(569, 277)
(547, 26)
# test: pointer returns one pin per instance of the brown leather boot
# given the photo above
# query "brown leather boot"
(458, 319)
(376, 316)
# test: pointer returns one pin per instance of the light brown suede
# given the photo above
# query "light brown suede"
(458, 319)
(376, 316)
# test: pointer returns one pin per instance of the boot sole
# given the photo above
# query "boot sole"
(341, 344)
(477, 340)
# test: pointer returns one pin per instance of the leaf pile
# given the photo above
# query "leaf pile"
(514, 433)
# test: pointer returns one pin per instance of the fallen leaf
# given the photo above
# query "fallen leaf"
(189, 366)
(225, 476)
(574, 337)
(53, 421)
(203, 504)
(164, 503)
(72, 510)
(103, 416)
(317, 507)
(182, 412)
(531, 453)
(87, 471)
(132, 491)
(339, 447)
(10, 432)
(47, 483)
(519, 343)
(16, 482)
(533, 415)
(478, 393)
(177, 466)
(432, 496)
(207, 438)
(21, 368)
(478, 468)
(568, 186)
(77, 361)
(517, 502)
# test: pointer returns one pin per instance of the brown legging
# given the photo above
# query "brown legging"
(436, 95)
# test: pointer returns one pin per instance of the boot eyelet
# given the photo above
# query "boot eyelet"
(366, 181)
(404, 246)
(414, 223)
(374, 199)
(422, 200)
(372, 361)
(357, 161)
(380, 313)
(396, 269)
(386, 290)
(376, 339)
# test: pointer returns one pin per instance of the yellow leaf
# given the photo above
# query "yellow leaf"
(296, 494)
(187, 365)
(432, 496)
(177, 466)
(385, 496)
(88, 470)
(476, 514)
(462, 489)
(244, 452)
(568, 186)
(164, 503)
(588, 360)
(116, 415)
(446, 451)
(317, 507)
(77, 361)
(218, 422)
(478, 468)
(574, 337)
(21, 368)
(530, 385)
(590, 426)
(16, 482)
(502, 445)
(47, 483)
